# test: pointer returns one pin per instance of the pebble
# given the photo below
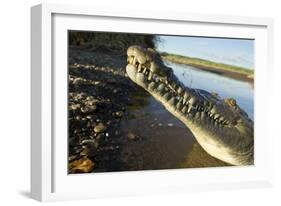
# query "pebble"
(89, 117)
(74, 106)
(131, 136)
(77, 81)
(72, 157)
(99, 136)
(96, 82)
(119, 114)
(89, 141)
(115, 91)
(88, 108)
(100, 128)
(89, 98)
(81, 165)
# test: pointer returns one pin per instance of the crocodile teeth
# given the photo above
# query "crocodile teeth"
(180, 99)
(150, 75)
(161, 87)
(192, 111)
(144, 70)
(178, 106)
(179, 90)
(152, 86)
(185, 97)
(131, 59)
(192, 101)
(213, 110)
(172, 101)
(197, 115)
(216, 116)
(134, 61)
(203, 115)
(173, 85)
(184, 109)
(167, 96)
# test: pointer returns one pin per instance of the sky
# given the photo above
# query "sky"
(239, 52)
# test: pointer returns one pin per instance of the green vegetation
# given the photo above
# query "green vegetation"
(114, 42)
(205, 64)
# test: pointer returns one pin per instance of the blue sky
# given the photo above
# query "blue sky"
(239, 52)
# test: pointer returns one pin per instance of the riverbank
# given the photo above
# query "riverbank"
(231, 71)
(99, 93)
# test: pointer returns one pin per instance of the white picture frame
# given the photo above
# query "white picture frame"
(49, 179)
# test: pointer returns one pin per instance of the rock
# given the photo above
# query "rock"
(72, 157)
(77, 81)
(90, 98)
(131, 136)
(100, 128)
(88, 108)
(90, 141)
(100, 136)
(89, 147)
(118, 114)
(81, 166)
(115, 91)
(74, 107)
(91, 103)
(85, 152)
(89, 117)
(96, 82)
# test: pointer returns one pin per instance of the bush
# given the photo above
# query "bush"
(114, 42)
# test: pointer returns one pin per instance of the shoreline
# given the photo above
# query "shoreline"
(223, 72)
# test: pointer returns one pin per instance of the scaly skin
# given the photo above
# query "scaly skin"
(220, 126)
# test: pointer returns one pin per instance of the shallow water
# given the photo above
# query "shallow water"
(211, 82)
(162, 141)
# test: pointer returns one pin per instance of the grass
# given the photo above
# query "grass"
(205, 64)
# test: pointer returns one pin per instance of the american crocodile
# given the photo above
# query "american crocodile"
(220, 126)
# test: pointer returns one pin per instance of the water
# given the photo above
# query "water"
(226, 87)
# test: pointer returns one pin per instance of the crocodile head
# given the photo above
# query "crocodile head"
(220, 126)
